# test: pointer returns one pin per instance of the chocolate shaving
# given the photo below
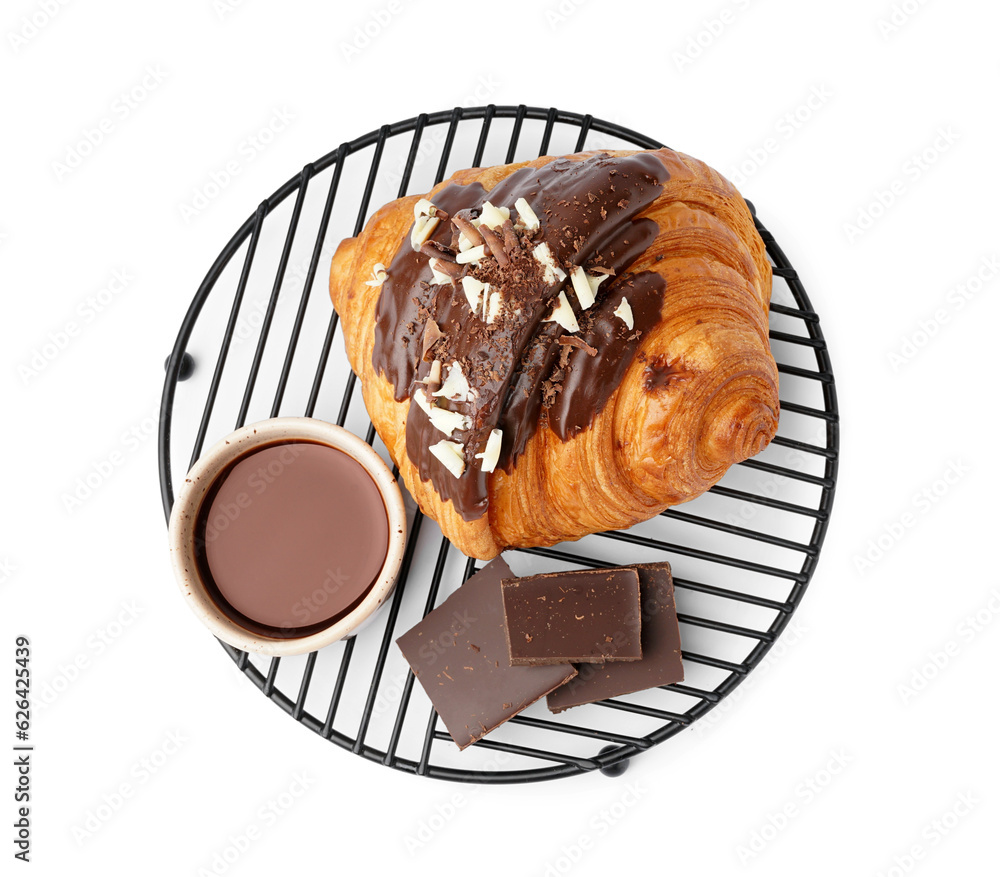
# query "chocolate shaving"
(511, 244)
(432, 334)
(573, 341)
(452, 269)
(550, 390)
(436, 250)
(469, 230)
(495, 244)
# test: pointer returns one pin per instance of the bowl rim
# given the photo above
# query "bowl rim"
(203, 475)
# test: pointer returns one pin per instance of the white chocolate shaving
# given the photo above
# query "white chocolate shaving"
(423, 228)
(379, 275)
(527, 216)
(423, 402)
(595, 280)
(441, 418)
(493, 217)
(463, 242)
(433, 376)
(492, 308)
(624, 313)
(543, 255)
(474, 291)
(439, 276)
(424, 208)
(491, 453)
(473, 254)
(448, 421)
(563, 315)
(584, 294)
(455, 387)
(451, 455)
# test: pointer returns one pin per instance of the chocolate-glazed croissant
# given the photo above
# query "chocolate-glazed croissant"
(563, 346)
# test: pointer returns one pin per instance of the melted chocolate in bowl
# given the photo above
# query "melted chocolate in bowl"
(291, 538)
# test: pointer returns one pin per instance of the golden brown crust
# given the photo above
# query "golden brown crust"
(651, 447)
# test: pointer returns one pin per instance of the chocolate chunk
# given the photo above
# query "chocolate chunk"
(661, 650)
(584, 616)
(459, 655)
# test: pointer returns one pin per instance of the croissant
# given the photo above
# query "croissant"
(563, 346)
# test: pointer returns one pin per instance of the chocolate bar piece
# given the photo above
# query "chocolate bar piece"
(661, 650)
(459, 655)
(584, 616)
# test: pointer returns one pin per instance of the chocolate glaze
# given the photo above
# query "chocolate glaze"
(521, 373)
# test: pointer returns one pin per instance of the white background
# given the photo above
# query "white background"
(915, 361)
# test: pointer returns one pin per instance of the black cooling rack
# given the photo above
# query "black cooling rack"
(742, 554)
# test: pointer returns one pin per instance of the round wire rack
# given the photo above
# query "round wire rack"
(742, 554)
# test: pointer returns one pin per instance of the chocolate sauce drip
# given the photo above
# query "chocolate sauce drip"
(522, 375)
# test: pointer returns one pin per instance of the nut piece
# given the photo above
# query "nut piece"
(473, 254)
(543, 255)
(624, 313)
(455, 387)
(527, 216)
(563, 314)
(474, 291)
(493, 217)
(379, 275)
(451, 455)
(491, 453)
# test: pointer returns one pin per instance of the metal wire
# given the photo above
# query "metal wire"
(613, 747)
